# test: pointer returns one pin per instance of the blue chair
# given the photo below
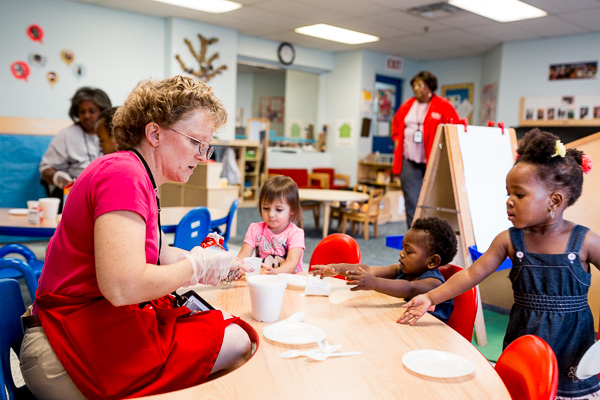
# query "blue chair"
(192, 229)
(22, 270)
(29, 256)
(215, 225)
(11, 336)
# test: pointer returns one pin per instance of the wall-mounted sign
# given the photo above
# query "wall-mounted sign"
(393, 64)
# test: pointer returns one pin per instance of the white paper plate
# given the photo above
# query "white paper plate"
(294, 280)
(590, 362)
(294, 333)
(437, 364)
(18, 211)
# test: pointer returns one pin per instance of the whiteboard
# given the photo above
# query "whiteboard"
(487, 159)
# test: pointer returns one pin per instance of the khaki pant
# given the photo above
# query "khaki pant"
(42, 371)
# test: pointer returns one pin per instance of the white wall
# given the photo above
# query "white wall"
(343, 100)
(268, 85)
(224, 84)
(100, 38)
(301, 96)
(245, 89)
(525, 67)
(458, 70)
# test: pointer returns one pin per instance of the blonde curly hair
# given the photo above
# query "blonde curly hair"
(164, 102)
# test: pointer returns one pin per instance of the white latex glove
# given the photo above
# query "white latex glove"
(210, 267)
(61, 179)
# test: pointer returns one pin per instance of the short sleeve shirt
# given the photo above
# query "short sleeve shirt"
(266, 243)
(71, 151)
(115, 182)
(443, 310)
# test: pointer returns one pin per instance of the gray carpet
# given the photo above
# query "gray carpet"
(374, 251)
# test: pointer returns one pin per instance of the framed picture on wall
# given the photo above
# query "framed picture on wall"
(461, 97)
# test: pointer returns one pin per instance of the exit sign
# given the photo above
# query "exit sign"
(393, 64)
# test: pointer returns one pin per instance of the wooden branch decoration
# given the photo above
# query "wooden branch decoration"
(206, 71)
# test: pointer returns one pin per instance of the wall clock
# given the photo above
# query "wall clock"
(286, 53)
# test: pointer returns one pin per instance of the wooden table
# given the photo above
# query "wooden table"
(17, 225)
(364, 322)
(328, 196)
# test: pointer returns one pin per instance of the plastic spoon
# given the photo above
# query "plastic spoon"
(322, 356)
(298, 353)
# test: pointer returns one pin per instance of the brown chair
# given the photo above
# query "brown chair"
(337, 207)
(364, 215)
(336, 181)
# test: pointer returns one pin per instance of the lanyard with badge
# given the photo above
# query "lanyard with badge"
(157, 199)
(418, 135)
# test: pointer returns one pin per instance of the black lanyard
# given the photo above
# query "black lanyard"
(157, 199)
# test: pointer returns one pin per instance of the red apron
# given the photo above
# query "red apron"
(116, 352)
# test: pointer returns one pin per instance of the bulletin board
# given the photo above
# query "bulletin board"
(460, 95)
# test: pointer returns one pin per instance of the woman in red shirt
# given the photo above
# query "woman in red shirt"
(413, 131)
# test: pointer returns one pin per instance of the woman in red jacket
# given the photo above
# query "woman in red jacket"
(413, 131)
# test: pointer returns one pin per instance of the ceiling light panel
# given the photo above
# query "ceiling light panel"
(209, 6)
(500, 10)
(336, 34)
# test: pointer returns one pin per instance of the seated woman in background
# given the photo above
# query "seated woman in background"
(76, 146)
(104, 306)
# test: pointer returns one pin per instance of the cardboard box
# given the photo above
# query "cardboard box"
(207, 175)
(392, 207)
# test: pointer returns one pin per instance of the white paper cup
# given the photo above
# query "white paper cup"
(32, 204)
(253, 262)
(317, 286)
(49, 206)
(266, 296)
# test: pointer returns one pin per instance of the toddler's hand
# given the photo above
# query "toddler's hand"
(324, 270)
(415, 309)
(362, 279)
(269, 270)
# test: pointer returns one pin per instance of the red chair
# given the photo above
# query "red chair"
(334, 179)
(462, 319)
(335, 248)
(529, 369)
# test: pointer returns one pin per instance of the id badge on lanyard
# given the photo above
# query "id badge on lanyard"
(418, 136)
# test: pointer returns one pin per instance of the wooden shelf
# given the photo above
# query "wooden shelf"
(562, 122)
(368, 171)
(258, 162)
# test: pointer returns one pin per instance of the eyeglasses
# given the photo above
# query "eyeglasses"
(203, 147)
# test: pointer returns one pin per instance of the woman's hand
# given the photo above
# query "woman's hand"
(236, 269)
(415, 309)
(362, 279)
(210, 266)
(324, 270)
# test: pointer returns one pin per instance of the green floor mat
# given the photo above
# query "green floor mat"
(495, 327)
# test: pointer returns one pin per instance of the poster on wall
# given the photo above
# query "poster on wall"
(579, 70)
(343, 132)
(461, 97)
(488, 102)
(384, 107)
